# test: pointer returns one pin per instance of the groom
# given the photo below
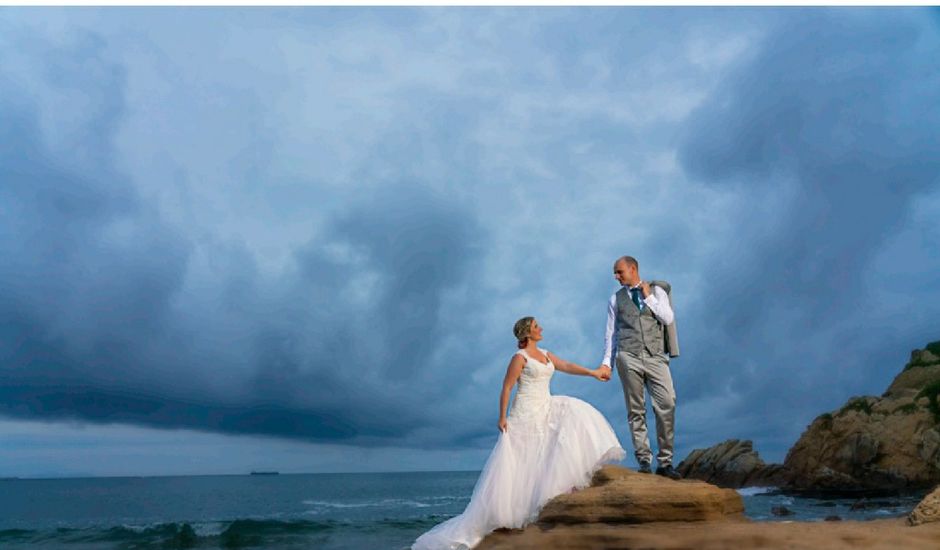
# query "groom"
(636, 317)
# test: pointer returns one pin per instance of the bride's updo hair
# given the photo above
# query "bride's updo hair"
(522, 329)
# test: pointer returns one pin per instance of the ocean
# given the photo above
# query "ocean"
(323, 511)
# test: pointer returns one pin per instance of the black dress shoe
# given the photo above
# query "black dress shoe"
(668, 471)
(645, 468)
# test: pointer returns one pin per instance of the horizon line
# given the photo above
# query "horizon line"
(266, 473)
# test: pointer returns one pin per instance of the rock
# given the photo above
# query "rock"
(874, 443)
(929, 447)
(781, 511)
(620, 498)
(925, 356)
(733, 463)
(928, 511)
(832, 518)
(865, 504)
(912, 380)
(618, 495)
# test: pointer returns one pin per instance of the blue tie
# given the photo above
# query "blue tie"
(635, 294)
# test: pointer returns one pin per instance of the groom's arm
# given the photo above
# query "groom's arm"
(658, 303)
(608, 359)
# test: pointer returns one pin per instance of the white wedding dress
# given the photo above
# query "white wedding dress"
(553, 444)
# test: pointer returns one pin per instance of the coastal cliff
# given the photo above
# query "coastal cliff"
(886, 442)
(872, 443)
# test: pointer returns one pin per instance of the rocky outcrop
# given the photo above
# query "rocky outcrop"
(619, 495)
(928, 511)
(626, 509)
(733, 463)
(887, 442)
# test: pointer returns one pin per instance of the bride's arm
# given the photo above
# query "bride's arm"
(574, 368)
(512, 375)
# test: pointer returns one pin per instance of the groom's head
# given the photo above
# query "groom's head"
(627, 270)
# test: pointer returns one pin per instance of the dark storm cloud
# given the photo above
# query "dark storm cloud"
(417, 246)
(828, 136)
(98, 324)
(85, 264)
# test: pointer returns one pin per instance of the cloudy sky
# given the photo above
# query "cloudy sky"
(297, 239)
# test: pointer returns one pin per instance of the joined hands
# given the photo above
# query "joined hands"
(602, 373)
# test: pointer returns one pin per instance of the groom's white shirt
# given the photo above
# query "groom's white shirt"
(658, 303)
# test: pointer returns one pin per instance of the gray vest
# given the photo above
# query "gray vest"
(635, 329)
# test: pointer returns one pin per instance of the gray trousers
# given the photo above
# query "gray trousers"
(648, 372)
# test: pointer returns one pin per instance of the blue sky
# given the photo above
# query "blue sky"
(297, 239)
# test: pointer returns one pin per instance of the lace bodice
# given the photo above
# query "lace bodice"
(533, 395)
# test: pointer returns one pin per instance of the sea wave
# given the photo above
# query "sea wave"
(751, 491)
(422, 502)
(15, 534)
(240, 533)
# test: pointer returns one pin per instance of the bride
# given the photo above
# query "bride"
(547, 446)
